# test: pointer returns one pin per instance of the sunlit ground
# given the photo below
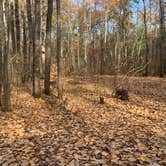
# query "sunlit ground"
(80, 131)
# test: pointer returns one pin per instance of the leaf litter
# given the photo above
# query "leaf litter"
(80, 131)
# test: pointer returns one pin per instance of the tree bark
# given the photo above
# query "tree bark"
(6, 82)
(30, 31)
(146, 40)
(13, 35)
(25, 58)
(17, 20)
(162, 38)
(48, 47)
(36, 52)
(59, 63)
(1, 51)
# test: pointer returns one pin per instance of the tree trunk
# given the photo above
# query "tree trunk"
(48, 48)
(59, 63)
(13, 29)
(1, 51)
(146, 40)
(6, 82)
(162, 38)
(25, 58)
(30, 31)
(18, 51)
(36, 52)
(17, 19)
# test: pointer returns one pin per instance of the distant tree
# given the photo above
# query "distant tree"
(145, 39)
(30, 34)
(25, 58)
(13, 35)
(162, 38)
(17, 20)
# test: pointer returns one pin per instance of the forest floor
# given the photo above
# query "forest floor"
(81, 131)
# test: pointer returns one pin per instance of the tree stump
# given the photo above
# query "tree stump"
(121, 93)
(101, 100)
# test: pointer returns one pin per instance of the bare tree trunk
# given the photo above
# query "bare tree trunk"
(18, 51)
(6, 82)
(36, 52)
(30, 31)
(146, 40)
(162, 38)
(104, 42)
(93, 28)
(17, 19)
(102, 52)
(13, 36)
(25, 58)
(59, 63)
(85, 32)
(48, 48)
(1, 50)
